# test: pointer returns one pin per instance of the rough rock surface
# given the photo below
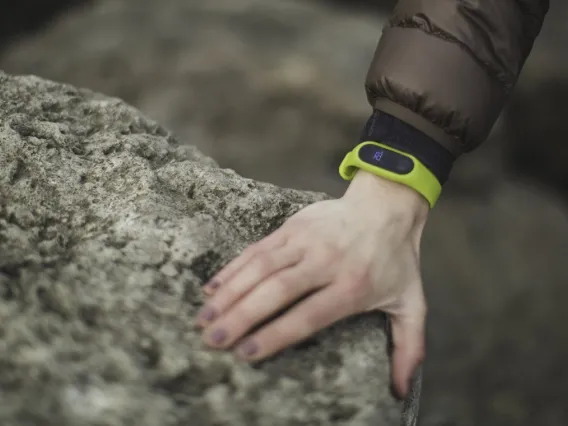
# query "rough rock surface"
(108, 228)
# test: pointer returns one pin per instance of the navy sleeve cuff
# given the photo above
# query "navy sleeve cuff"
(391, 131)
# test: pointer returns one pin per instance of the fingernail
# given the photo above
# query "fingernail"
(218, 336)
(212, 285)
(207, 314)
(247, 348)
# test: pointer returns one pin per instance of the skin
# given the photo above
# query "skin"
(358, 253)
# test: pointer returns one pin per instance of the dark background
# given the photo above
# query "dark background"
(275, 92)
(22, 17)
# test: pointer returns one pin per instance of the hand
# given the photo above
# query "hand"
(350, 255)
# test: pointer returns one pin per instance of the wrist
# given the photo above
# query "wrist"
(372, 188)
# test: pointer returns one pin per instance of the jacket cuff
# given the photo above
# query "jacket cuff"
(448, 142)
(389, 130)
(436, 86)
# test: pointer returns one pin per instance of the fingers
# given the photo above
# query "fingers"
(274, 294)
(408, 350)
(271, 242)
(259, 267)
(311, 315)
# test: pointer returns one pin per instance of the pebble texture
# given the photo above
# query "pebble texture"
(108, 228)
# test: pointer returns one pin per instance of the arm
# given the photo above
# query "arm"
(439, 78)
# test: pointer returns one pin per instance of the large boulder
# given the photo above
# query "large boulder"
(108, 227)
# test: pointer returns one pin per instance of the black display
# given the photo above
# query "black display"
(386, 159)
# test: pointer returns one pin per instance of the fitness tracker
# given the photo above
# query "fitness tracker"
(392, 164)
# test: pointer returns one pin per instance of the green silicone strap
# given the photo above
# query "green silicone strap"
(420, 178)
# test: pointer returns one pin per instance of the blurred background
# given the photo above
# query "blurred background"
(274, 90)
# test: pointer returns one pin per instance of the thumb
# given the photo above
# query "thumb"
(408, 350)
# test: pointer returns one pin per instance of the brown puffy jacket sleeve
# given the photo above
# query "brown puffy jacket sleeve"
(446, 67)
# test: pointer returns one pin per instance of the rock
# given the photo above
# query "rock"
(108, 227)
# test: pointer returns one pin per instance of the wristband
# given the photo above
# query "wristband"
(394, 165)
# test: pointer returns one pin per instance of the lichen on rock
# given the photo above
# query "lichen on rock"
(108, 228)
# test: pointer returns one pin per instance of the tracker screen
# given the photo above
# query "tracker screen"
(386, 159)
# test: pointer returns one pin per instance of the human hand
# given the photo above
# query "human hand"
(354, 254)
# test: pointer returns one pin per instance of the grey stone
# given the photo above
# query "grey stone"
(108, 228)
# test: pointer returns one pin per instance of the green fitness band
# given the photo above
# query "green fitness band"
(392, 164)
